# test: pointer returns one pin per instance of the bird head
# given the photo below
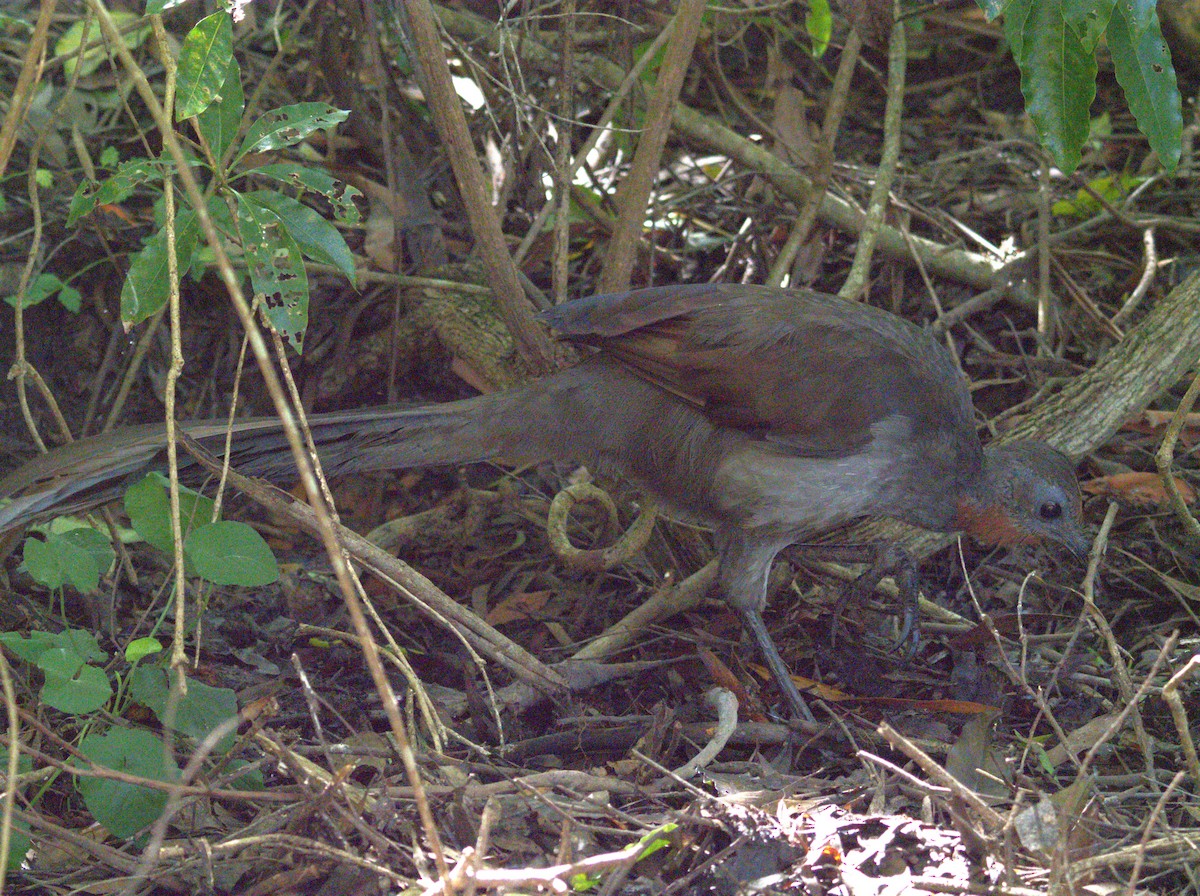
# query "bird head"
(1028, 493)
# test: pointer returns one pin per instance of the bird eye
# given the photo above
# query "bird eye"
(1051, 510)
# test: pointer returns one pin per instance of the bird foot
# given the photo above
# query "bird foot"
(882, 561)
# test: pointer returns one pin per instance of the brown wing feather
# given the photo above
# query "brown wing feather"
(810, 372)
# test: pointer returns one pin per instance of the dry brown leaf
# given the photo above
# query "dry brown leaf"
(1142, 489)
(519, 607)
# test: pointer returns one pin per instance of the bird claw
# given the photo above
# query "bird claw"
(886, 560)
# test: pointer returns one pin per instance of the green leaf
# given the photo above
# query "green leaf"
(231, 553)
(818, 22)
(1114, 189)
(1142, 15)
(314, 180)
(203, 709)
(584, 882)
(197, 714)
(1058, 77)
(42, 287)
(93, 543)
(156, 7)
(19, 843)
(58, 561)
(29, 649)
(140, 648)
(251, 779)
(276, 270)
(316, 237)
(70, 298)
(82, 643)
(219, 122)
(149, 509)
(655, 840)
(147, 285)
(94, 56)
(288, 125)
(79, 643)
(222, 219)
(124, 809)
(1143, 67)
(203, 64)
(117, 188)
(24, 763)
(72, 686)
(1088, 18)
(148, 686)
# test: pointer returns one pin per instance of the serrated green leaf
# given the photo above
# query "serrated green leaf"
(316, 237)
(231, 553)
(276, 269)
(1143, 67)
(288, 125)
(204, 61)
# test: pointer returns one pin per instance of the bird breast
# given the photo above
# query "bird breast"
(764, 488)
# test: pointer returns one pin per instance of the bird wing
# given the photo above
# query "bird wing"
(812, 373)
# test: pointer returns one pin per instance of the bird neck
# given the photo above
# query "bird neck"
(982, 509)
(985, 519)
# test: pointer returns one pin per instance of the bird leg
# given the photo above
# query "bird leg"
(881, 560)
(752, 622)
(745, 562)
